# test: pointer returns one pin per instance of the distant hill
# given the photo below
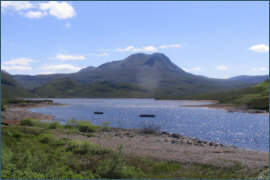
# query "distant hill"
(250, 79)
(10, 88)
(67, 88)
(256, 97)
(154, 73)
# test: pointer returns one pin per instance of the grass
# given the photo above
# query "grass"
(84, 147)
(27, 122)
(35, 152)
(255, 97)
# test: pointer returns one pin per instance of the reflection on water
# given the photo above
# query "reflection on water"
(238, 129)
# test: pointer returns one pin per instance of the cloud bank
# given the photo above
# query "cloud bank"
(259, 48)
(60, 10)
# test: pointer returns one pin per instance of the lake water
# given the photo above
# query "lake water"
(250, 131)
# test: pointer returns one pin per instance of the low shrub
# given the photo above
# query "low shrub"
(72, 131)
(3, 107)
(84, 147)
(80, 147)
(72, 123)
(150, 128)
(105, 125)
(27, 122)
(46, 138)
(116, 168)
(86, 126)
(54, 125)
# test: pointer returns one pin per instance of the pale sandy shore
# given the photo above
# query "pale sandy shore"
(177, 148)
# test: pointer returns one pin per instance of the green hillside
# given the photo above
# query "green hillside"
(11, 89)
(256, 97)
(67, 88)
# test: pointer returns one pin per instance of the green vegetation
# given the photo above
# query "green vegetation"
(256, 97)
(11, 89)
(116, 168)
(3, 107)
(27, 122)
(86, 126)
(37, 152)
(65, 88)
(84, 147)
(54, 125)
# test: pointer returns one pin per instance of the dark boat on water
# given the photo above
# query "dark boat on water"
(147, 115)
(98, 112)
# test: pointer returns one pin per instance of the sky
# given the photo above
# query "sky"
(213, 39)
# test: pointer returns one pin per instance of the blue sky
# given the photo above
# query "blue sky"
(214, 39)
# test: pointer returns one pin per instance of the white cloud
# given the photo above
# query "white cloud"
(104, 50)
(170, 46)
(185, 69)
(18, 64)
(47, 72)
(141, 49)
(35, 14)
(17, 68)
(192, 69)
(19, 61)
(259, 48)
(59, 68)
(259, 69)
(66, 57)
(61, 10)
(133, 49)
(68, 25)
(102, 54)
(197, 69)
(222, 67)
(16, 5)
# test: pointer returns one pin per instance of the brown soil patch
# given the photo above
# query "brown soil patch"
(217, 106)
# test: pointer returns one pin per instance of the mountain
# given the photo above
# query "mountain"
(154, 73)
(251, 79)
(10, 88)
(256, 97)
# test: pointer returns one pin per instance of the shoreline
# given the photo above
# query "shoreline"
(173, 147)
(229, 108)
(15, 113)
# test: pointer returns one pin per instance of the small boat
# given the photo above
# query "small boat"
(147, 115)
(98, 112)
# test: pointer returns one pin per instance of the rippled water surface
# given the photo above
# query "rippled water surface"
(244, 130)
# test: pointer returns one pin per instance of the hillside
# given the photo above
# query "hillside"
(67, 88)
(10, 88)
(256, 97)
(251, 79)
(154, 73)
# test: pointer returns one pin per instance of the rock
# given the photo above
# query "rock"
(175, 136)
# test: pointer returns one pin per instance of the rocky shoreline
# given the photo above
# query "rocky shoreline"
(16, 112)
(174, 147)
